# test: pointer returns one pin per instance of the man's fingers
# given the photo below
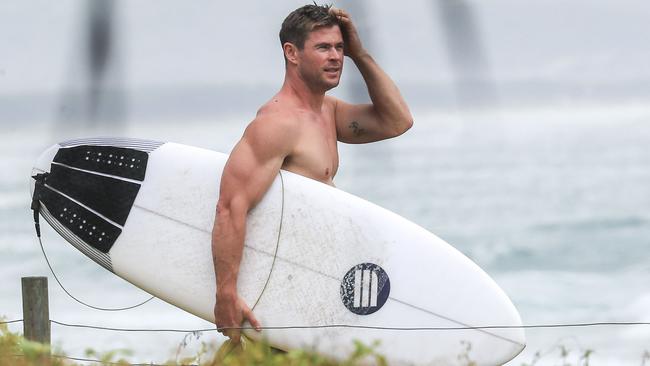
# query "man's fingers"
(342, 16)
(248, 314)
(234, 335)
(338, 12)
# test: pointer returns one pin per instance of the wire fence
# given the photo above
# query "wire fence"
(188, 331)
(353, 326)
(103, 362)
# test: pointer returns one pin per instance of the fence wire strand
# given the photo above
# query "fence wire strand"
(289, 327)
(11, 321)
(81, 359)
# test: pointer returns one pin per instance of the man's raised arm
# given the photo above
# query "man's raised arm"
(250, 170)
(388, 115)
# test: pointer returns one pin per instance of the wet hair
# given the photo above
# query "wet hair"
(297, 25)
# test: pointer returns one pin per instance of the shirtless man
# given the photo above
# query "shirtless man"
(298, 130)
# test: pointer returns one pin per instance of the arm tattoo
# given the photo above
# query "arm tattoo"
(356, 129)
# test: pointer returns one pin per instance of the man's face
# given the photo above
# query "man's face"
(321, 59)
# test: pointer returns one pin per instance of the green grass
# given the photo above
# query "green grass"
(17, 351)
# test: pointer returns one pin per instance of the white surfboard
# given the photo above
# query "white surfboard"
(321, 267)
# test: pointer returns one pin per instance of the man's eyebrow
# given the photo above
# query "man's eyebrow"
(329, 44)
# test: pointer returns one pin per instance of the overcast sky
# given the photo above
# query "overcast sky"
(167, 43)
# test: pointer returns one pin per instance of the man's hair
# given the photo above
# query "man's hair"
(297, 25)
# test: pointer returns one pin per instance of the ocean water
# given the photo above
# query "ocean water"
(553, 202)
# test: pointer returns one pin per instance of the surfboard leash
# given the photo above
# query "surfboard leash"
(40, 179)
(277, 243)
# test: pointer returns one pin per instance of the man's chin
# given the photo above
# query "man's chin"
(331, 84)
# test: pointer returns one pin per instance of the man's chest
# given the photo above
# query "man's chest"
(316, 153)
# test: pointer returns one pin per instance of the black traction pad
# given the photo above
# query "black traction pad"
(89, 227)
(110, 197)
(117, 161)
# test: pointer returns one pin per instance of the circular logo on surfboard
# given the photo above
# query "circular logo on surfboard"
(365, 288)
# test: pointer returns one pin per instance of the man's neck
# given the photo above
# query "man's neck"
(300, 91)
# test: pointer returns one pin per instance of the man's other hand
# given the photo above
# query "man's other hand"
(229, 315)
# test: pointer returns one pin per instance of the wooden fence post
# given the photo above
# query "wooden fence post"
(36, 313)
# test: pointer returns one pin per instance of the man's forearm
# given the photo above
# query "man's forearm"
(227, 249)
(386, 97)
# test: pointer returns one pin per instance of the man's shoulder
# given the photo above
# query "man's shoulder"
(272, 124)
(277, 115)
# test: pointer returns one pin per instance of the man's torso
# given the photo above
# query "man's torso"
(315, 154)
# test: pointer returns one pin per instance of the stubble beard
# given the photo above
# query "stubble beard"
(318, 80)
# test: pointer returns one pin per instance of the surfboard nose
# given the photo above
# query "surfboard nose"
(515, 333)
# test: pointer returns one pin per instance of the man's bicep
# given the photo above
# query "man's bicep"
(255, 161)
(357, 123)
(247, 175)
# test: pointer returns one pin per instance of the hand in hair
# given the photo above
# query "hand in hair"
(352, 43)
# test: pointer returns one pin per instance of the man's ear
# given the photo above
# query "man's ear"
(290, 52)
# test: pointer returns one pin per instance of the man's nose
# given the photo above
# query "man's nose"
(335, 54)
